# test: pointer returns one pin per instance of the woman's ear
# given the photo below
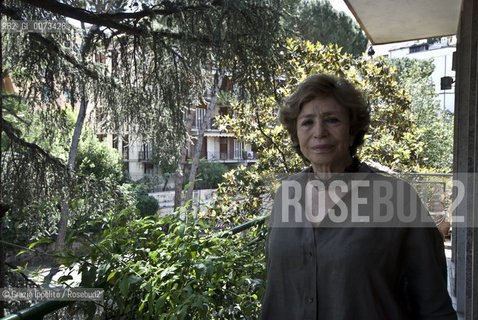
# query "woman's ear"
(352, 136)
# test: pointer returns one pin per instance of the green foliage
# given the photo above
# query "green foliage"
(31, 126)
(156, 66)
(154, 183)
(247, 193)
(210, 175)
(434, 125)
(32, 194)
(97, 159)
(148, 72)
(146, 205)
(318, 21)
(169, 269)
(35, 203)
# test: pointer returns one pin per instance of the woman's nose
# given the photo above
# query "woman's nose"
(320, 129)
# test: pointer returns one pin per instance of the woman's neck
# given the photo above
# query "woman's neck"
(327, 171)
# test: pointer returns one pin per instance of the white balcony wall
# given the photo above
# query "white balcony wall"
(136, 167)
(442, 55)
(213, 151)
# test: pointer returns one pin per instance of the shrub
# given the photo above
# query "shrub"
(146, 205)
(210, 175)
(166, 268)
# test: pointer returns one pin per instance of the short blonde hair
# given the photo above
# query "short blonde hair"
(323, 86)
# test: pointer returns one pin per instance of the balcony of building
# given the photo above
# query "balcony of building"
(211, 126)
(225, 149)
(146, 153)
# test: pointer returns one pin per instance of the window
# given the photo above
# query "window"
(200, 112)
(148, 169)
(418, 47)
(125, 147)
(237, 150)
(67, 94)
(146, 151)
(46, 94)
(223, 148)
(101, 137)
(115, 141)
(100, 58)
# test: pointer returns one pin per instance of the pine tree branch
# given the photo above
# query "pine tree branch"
(151, 12)
(83, 15)
(52, 46)
(11, 132)
(23, 275)
(169, 8)
(10, 110)
(104, 20)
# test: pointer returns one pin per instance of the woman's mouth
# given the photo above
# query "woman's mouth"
(323, 148)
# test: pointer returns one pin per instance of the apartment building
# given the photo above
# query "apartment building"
(217, 146)
(137, 155)
(440, 51)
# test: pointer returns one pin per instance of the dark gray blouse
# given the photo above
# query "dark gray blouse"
(350, 271)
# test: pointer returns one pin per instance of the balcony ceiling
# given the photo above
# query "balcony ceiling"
(387, 21)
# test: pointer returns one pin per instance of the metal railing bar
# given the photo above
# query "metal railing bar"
(243, 226)
(38, 311)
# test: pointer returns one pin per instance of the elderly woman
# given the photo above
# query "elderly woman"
(319, 269)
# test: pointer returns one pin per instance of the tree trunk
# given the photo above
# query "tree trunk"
(198, 147)
(165, 183)
(75, 140)
(178, 185)
(65, 211)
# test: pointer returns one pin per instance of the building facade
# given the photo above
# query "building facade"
(217, 146)
(441, 52)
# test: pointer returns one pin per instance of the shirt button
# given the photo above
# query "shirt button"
(310, 300)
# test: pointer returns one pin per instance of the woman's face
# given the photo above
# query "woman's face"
(323, 129)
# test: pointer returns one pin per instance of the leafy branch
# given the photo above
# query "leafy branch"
(106, 20)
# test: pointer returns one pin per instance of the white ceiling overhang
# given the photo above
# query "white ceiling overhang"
(387, 21)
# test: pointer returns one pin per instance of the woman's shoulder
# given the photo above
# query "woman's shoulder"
(300, 176)
(374, 171)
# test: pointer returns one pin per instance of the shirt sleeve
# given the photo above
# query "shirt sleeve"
(426, 271)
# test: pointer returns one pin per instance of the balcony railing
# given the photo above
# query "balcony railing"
(145, 155)
(229, 156)
(212, 125)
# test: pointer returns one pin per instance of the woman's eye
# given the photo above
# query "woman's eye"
(307, 122)
(332, 120)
